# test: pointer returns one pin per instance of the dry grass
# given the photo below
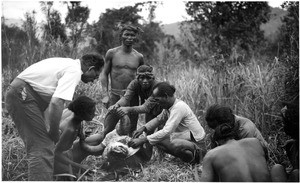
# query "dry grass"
(251, 90)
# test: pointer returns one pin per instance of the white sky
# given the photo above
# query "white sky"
(169, 12)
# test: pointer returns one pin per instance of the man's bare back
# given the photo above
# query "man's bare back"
(242, 160)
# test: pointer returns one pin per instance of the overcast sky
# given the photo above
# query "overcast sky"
(169, 12)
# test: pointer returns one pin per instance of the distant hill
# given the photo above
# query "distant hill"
(12, 22)
(271, 28)
(172, 29)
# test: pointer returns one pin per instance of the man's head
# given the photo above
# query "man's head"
(225, 132)
(128, 34)
(163, 93)
(145, 76)
(83, 107)
(218, 114)
(91, 66)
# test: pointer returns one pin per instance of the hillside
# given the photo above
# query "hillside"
(271, 28)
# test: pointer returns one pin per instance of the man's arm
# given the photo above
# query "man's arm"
(141, 60)
(56, 107)
(93, 150)
(175, 117)
(65, 144)
(207, 169)
(149, 104)
(106, 70)
(131, 90)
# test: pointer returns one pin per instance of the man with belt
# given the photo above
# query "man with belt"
(121, 64)
(46, 84)
(182, 134)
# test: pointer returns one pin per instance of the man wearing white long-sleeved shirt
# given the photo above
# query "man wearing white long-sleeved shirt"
(182, 134)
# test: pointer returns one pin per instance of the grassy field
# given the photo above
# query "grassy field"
(251, 90)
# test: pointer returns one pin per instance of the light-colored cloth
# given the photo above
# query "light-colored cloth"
(178, 118)
(248, 129)
(113, 141)
(53, 77)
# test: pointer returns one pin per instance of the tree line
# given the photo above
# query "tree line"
(227, 30)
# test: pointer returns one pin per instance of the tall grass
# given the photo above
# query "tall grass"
(251, 90)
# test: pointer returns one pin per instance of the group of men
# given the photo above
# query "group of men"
(239, 151)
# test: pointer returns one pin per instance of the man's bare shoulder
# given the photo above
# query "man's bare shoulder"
(114, 50)
(137, 53)
(251, 143)
(250, 140)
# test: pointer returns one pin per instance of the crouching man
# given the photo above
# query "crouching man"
(235, 160)
(182, 134)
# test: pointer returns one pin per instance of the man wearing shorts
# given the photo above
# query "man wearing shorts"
(121, 64)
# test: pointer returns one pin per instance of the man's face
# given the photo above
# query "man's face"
(128, 37)
(90, 75)
(162, 101)
(145, 81)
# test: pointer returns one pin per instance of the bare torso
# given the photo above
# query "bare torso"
(123, 67)
(67, 128)
(240, 161)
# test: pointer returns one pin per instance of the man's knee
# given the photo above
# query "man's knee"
(278, 173)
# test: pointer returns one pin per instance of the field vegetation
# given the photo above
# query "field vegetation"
(254, 85)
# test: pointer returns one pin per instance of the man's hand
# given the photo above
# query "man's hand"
(113, 107)
(134, 143)
(122, 111)
(138, 132)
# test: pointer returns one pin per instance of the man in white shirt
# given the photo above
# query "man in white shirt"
(182, 134)
(46, 84)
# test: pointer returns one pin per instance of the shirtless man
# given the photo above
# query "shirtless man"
(82, 108)
(121, 64)
(235, 160)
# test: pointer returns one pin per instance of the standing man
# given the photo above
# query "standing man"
(46, 84)
(121, 64)
(182, 134)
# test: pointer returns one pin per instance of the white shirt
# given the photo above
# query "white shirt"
(53, 77)
(178, 118)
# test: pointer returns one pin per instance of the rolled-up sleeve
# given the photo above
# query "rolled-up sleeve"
(146, 107)
(66, 85)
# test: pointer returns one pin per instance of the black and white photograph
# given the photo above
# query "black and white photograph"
(150, 91)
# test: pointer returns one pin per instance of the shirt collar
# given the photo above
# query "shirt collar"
(176, 100)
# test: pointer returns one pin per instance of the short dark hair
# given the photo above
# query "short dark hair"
(93, 59)
(82, 106)
(218, 114)
(164, 88)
